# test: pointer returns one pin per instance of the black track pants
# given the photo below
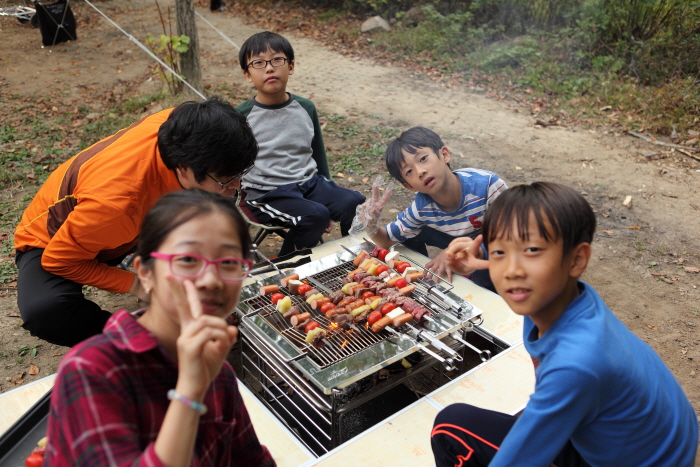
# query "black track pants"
(53, 308)
(464, 435)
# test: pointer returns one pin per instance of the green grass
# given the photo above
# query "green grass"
(363, 154)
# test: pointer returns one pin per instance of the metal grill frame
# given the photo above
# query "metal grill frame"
(361, 364)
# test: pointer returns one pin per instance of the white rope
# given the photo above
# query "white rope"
(145, 49)
(220, 33)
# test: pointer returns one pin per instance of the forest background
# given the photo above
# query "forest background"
(637, 61)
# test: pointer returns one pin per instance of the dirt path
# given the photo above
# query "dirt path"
(640, 253)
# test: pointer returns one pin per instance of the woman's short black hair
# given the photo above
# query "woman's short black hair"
(262, 42)
(179, 207)
(567, 212)
(208, 137)
(410, 141)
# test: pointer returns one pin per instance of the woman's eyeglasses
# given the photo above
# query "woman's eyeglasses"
(191, 266)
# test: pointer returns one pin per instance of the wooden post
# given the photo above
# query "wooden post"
(191, 69)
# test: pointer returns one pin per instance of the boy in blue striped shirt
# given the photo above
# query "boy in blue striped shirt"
(448, 203)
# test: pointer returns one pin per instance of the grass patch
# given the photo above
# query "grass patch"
(357, 149)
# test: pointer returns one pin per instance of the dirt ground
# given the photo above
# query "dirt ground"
(646, 253)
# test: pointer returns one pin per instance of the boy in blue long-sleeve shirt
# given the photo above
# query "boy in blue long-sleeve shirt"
(602, 396)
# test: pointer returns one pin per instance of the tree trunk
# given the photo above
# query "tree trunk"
(191, 69)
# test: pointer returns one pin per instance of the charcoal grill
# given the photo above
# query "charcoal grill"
(346, 356)
(313, 389)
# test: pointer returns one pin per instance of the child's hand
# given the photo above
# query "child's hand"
(464, 256)
(203, 343)
(438, 266)
(369, 213)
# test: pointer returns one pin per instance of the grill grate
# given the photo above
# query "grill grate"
(338, 343)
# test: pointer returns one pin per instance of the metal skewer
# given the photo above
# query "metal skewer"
(437, 343)
(447, 362)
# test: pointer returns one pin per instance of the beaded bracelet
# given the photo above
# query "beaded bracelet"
(194, 405)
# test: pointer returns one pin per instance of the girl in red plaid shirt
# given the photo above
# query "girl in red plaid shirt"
(155, 388)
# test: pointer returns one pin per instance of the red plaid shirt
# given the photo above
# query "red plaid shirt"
(110, 399)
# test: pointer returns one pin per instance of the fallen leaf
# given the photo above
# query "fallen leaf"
(658, 274)
(13, 315)
(461, 155)
(652, 327)
(635, 227)
(518, 168)
(33, 369)
(691, 269)
(609, 232)
(364, 180)
(57, 355)
(17, 381)
(627, 202)
(350, 179)
(340, 174)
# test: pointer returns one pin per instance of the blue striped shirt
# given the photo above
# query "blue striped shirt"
(479, 189)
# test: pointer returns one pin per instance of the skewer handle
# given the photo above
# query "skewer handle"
(484, 355)
(437, 343)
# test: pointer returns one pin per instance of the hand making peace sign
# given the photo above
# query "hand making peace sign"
(371, 210)
(203, 343)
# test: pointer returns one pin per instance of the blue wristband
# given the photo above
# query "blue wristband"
(194, 405)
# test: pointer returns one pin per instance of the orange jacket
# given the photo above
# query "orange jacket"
(91, 208)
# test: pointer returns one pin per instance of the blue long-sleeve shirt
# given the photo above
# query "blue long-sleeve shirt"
(601, 386)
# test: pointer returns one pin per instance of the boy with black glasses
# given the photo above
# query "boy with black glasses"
(290, 183)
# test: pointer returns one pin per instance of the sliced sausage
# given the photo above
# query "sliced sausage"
(268, 289)
(300, 325)
(381, 324)
(405, 318)
(346, 301)
(296, 319)
(393, 280)
(355, 304)
(285, 280)
(408, 289)
(335, 311)
(414, 276)
(316, 304)
(361, 256)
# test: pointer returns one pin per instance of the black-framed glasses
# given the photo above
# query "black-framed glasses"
(277, 61)
(225, 185)
(191, 266)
